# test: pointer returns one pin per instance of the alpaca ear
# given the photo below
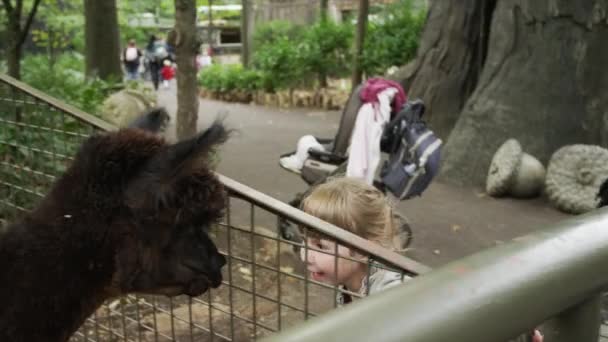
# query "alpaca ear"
(154, 186)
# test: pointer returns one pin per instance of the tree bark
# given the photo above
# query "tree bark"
(186, 47)
(324, 7)
(360, 39)
(14, 50)
(449, 60)
(245, 32)
(543, 83)
(17, 33)
(102, 50)
(210, 26)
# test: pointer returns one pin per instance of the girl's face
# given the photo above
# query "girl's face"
(321, 264)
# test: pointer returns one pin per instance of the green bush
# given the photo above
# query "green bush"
(140, 35)
(280, 63)
(65, 80)
(224, 78)
(394, 40)
(326, 49)
(271, 32)
(291, 56)
(277, 55)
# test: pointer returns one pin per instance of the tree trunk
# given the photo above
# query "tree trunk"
(246, 32)
(17, 33)
(324, 7)
(360, 39)
(210, 26)
(14, 49)
(543, 83)
(450, 58)
(102, 51)
(186, 47)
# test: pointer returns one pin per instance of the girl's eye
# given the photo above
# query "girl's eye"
(325, 246)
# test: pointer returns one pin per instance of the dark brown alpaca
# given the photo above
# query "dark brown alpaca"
(129, 215)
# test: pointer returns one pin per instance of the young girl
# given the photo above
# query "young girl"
(362, 210)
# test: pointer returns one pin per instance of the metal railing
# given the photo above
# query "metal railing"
(494, 295)
(266, 286)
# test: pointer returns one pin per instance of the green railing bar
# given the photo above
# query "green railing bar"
(58, 104)
(493, 295)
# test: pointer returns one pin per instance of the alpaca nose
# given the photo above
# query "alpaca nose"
(215, 276)
(218, 261)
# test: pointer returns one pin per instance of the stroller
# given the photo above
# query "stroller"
(413, 161)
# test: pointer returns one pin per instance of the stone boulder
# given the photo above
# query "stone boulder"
(122, 107)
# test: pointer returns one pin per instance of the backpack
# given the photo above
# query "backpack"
(131, 54)
(414, 152)
(160, 51)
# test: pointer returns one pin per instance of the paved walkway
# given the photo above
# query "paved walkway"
(449, 222)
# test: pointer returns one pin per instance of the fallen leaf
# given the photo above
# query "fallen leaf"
(287, 269)
(114, 304)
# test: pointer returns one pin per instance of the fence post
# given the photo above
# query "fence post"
(580, 323)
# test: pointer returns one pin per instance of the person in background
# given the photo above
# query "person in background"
(131, 58)
(156, 53)
(167, 72)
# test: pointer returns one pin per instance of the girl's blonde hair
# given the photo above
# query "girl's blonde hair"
(355, 206)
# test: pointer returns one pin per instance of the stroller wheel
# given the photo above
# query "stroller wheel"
(404, 235)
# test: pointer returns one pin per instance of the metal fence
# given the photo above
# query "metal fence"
(266, 286)
(555, 273)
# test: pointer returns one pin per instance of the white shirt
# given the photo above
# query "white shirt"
(364, 155)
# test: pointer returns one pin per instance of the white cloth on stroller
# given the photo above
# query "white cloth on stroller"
(295, 162)
(364, 155)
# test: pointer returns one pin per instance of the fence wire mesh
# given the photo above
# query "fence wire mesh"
(266, 285)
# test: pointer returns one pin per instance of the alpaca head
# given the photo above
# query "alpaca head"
(153, 203)
(173, 201)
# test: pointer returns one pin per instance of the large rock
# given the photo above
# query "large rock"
(514, 172)
(574, 176)
(124, 106)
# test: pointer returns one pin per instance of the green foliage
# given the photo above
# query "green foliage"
(141, 35)
(129, 9)
(282, 63)
(326, 48)
(291, 55)
(61, 25)
(224, 78)
(65, 80)
(273, 31)
(394, 39)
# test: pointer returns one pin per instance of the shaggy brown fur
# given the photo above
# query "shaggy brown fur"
(129, 215)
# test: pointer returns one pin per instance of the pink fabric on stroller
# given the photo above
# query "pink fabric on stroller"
(375, 86)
